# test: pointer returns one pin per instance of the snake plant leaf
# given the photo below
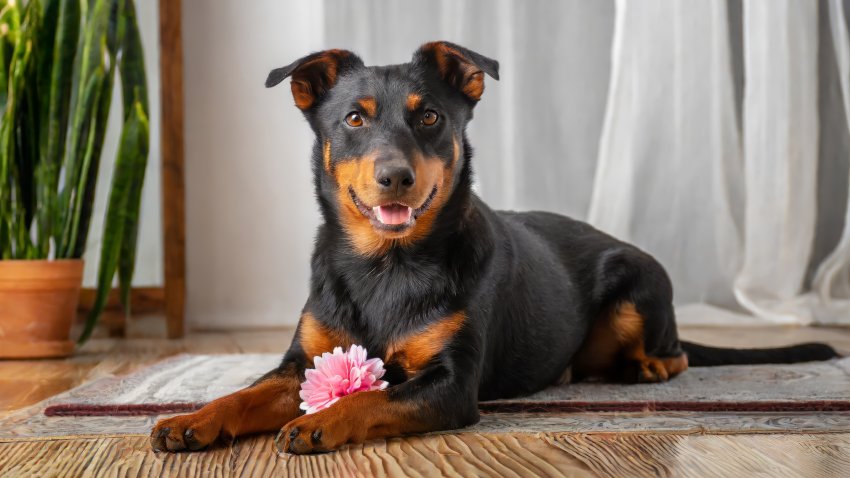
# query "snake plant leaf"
(64, 50)
(11, 52)
(130, 228)
(34, 120)
(10, 194)
(26, 114)
(132, 66)
(4, 65)
(134, 93)
(114, 28)
(80, 136)
(55, 126)
(44, 41)
(129, 165)
(10, 19)
(91, 165)
(84, 196)
(91, 57)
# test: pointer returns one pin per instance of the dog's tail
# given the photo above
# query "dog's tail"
(705, 356)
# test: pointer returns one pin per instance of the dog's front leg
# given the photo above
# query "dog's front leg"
(435, 399)
(265, 406)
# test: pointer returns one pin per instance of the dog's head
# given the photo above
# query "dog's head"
(389, 143)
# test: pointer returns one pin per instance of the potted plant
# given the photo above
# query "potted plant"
(58, 62)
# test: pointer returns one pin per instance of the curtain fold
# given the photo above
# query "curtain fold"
(780, 130)
(831, 283)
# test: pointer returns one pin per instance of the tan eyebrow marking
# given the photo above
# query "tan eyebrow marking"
(413, 101)
(369, 105)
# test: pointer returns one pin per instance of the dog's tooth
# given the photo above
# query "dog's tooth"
(377, 211)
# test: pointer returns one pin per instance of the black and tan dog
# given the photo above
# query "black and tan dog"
(462, 303)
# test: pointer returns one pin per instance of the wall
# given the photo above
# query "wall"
(250, 212)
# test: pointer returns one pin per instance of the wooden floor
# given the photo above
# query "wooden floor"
(519, 454)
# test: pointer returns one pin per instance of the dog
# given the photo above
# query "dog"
(461, 302)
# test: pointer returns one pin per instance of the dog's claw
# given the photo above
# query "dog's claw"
(191, 442)
(158, 439)
(174, 445)
(298, 445)
(185, 432)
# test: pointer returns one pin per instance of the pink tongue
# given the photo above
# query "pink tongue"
(394, 214)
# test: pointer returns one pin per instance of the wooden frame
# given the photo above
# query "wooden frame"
(169, 299)
(173, 187)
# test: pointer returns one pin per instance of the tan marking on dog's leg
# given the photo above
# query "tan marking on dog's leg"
(618, 336)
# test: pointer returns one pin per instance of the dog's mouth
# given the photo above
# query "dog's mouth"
(392, 216)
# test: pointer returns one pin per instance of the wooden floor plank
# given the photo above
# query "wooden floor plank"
(708, 456)
(502, 455)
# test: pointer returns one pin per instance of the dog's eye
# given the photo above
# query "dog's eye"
(430, 118)
(354, 119)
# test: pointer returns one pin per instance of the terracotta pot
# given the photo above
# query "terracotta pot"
(38, 304)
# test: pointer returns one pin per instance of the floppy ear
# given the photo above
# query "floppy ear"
(314, 75)
(463, 69)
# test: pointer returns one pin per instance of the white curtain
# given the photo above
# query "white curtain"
(711, 134)
(831, 283)
(780, 147)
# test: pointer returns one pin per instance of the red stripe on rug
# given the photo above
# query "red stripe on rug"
(578, 407)
(82, 410)
(130, 410)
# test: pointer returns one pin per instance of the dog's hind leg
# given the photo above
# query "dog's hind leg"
(616, 349)
(634, 338)
(638, 362)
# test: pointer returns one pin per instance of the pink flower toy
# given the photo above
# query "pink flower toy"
(339, 374)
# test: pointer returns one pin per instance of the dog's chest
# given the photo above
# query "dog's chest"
(407, 352)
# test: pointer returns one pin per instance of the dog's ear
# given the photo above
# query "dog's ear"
(314, 75)
(463, 69)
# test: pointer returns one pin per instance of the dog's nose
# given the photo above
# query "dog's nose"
(394, 177)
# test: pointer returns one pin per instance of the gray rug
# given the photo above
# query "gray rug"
(186, 382)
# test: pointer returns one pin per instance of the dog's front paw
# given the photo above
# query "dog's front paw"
(186, 432)
(321, 431)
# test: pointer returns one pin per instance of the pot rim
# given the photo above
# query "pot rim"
(25, 261)
(24, 273)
